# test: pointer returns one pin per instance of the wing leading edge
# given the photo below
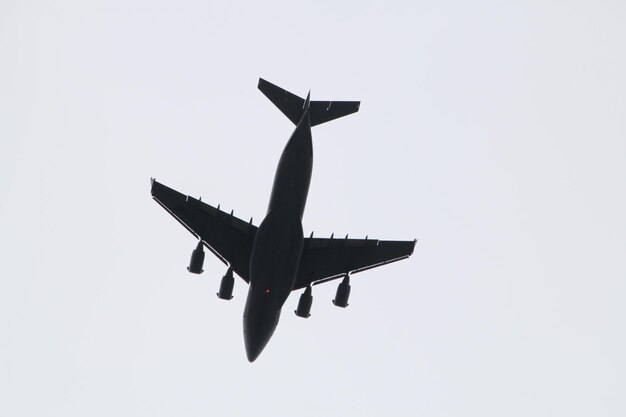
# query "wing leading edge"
(229, 238)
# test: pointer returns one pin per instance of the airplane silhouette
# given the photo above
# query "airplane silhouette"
(275, 258)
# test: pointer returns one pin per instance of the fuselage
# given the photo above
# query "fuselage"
(278, 242)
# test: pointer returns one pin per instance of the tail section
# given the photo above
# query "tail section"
(294, 107)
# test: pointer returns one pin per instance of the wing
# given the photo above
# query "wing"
(327, 259)
(228, 237)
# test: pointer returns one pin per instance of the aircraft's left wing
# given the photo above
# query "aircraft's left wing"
(229, 238)
(327, 259)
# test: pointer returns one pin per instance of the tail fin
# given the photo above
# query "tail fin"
(293, 106)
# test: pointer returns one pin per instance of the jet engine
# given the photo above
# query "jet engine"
(343, 293)
(304, 305)
(226, 286)
(197, 260)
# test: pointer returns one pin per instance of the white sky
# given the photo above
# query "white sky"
(495, 133)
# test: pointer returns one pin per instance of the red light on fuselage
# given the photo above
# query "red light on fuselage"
(267, 291)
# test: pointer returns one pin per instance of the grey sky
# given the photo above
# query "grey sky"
(495, 133)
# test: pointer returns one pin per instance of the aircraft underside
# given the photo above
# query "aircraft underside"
(275, 258)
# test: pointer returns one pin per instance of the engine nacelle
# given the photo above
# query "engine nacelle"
(226, 286)
(343, 293)
(197, 260)
(304, 305)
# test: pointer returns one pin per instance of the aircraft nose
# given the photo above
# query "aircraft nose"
(260, 319)
(253, 350)
(255, 340)
(257, 332)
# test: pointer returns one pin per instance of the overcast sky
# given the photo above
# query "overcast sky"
(494, 133)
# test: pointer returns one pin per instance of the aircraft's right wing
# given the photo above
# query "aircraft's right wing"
(229, 238)
(327, 259)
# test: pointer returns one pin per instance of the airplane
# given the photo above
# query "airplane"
(275, 258)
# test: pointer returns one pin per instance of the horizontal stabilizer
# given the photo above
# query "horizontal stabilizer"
(325, 111)
(293, 106)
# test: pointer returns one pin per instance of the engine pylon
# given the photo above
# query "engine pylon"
(197, 259)
(226, 285)
(343, 293)
(304, 305)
